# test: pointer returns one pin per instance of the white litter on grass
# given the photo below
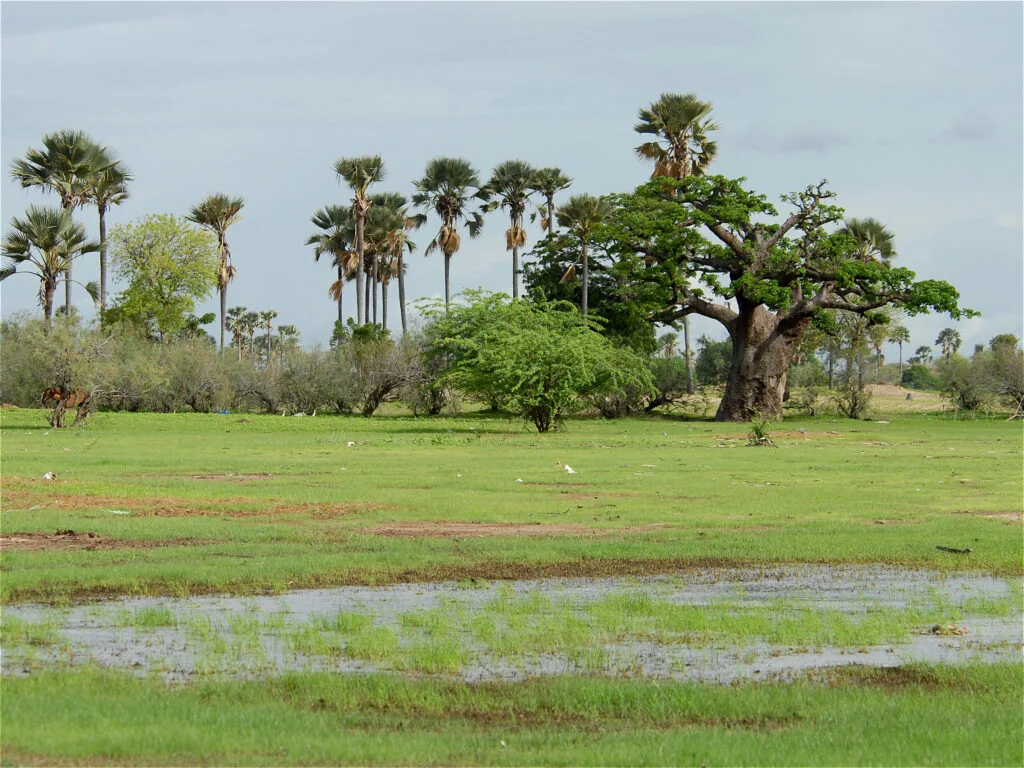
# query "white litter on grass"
(570, 470)
(349, 443)
(519, 479)
(118, 512)
(881, 422)
(49, 476)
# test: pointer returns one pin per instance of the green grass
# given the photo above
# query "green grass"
(261, 504)
(908, 716)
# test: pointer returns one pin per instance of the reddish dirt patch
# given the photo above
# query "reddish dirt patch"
(1010, 517)
(151, 506)
(237, 478)
(68, 540)
(422, 528)
(892, 522)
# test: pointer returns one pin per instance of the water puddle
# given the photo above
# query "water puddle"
(713, 625)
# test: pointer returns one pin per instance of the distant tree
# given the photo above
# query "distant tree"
(390, 224)
(448, 187)
(510, 186)
(668, 343)
(949, 341)
(581, 216)
(360, 173)
(874, 241)
(67, 165)
(548, 182)
(104, 189)
(43, 244)
(898, 334)
(336, 236)
(216, 213)
(1004, 342)
(713, 361)
(168, 265)
(922, 355)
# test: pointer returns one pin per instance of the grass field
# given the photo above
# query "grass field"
(192, 504)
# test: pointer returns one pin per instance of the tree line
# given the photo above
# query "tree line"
(684, 243)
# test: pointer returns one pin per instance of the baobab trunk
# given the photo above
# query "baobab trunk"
(762, 348)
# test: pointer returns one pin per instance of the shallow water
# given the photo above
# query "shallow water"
(255, 635)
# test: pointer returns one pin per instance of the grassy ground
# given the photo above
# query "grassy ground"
(177, 504)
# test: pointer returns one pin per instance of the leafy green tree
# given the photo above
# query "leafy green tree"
(336, 236)
(898, 334)
(67, 165)
(511, 185)
(949, 342)
(448, 187)
(360, 173)
(216, 213)
(548, 182)
(922, 355)
(774, 276)
(168, 265)
(620, 303)
(44, 243)
(714, 359)
(538, 361)
(581, 216)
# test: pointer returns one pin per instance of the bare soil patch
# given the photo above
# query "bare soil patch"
(1010, 517)
(151, 506)
(242, 478)
(423, 528)
(69, 540)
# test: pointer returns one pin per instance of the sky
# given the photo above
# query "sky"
(912, 111)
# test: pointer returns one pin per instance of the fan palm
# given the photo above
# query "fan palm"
(447, 189)
(682, 149)
(548, 182)
(359, 173)
(104, 189)
(216, 213)
(44, 243)
(580, 216)
(948, 341)
(236, 324)
(391, 227)
(336, 237)
(874, 241)
(66, 164)
(510, 185)
(898, 334)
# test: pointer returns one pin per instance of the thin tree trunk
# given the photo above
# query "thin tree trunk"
(901, 362)
(341, 282)
(67, 288)
(367, 284)
(551, 214)
(689, 354)
(375, 268)
(384, 305)
(586, 278)
(515, 272)
(103, 257)
(401, 291)
(447, 280)
(223, 312)
(360, 273)
(48, 291)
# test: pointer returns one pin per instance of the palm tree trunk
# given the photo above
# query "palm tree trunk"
(360, 273)
(67, 288)
(401, 291)
(586, 278)
(375, 269)
(447, 280)
(384, 305)
(901, 362)
(689, 354)
(341, 279)
(366, 300)
(223, 312)
(515, 272)
(48, 290)
(551, 214)
(103, 257)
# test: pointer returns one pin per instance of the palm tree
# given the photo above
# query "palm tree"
(336, 237)
(446, 188)
(923, 354)
(548, 182)
(898, 334)
(391, 224)
(45, 242)
(949, 341)
(104, 189)
(681, 123)
(668, 342)
(359, 173)
(580, 216)
(874, 241)
(511, 184)
(236, 324)
(66, 165)
(266, 318)
(216, 213)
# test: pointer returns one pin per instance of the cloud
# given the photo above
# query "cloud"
(806, 139)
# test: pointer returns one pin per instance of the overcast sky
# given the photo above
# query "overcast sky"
(912, 111)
